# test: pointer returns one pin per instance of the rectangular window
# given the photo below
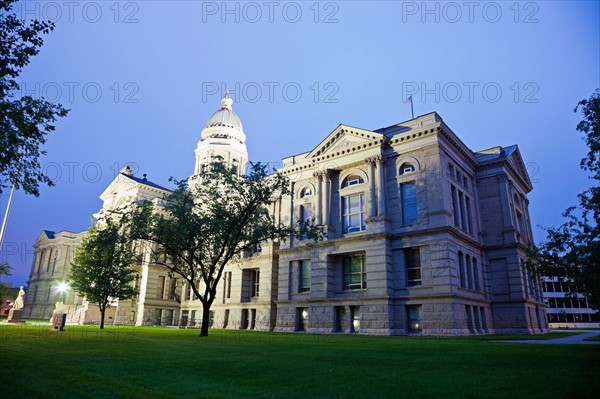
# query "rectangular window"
(340, 317)
(160, 287)
(461, 269)
(228, 287)
(188, 291)
(48, 293)
(353, 213)
(302, 319)
(40, 261)
(252, 319)
(49, 261)
(455, 207)
(224, 287)
(254, 282)
(414, 313)
(173, 289)
(54, 260)
(470, 319)
(409, 203)
(245, 319)
(469, 272)
(305, 215)
(468, 205)
(355, 274)
(355, 315)
(520, 226)
(483, 322)
(226, 318)
(461, 201)
(412, 260)
(477, 320)
(304, 268)
(476, 274)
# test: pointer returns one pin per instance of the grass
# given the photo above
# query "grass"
(132, 362)
(594, 338)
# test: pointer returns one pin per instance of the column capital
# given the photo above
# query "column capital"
(374, 160)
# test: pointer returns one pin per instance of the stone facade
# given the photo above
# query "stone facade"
(54, 252)
(423, 236)
(440, 236)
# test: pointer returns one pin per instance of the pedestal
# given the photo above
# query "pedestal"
(15, 316)
(58, 322)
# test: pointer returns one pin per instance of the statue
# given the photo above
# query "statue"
(16, 313)
(18, 304)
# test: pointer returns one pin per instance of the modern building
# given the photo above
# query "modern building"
(567, 308)
(423, 236)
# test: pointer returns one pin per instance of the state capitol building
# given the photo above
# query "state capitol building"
(422, 236)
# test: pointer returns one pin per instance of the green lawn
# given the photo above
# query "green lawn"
(147, 362)
(594, 338)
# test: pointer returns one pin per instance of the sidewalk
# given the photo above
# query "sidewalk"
(570, 340)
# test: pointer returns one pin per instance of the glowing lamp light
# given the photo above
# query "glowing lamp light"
(63, 287)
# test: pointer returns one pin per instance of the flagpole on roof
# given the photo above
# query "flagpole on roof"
(412, 110)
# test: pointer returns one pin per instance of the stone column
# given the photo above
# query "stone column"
(509, 225)
(372, 208)
(318, 218)
(381, 184)
(326, 197)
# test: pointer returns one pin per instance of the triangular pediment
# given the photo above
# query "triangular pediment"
(45, 235)
(344, 137)
(515, 160)
(120, 184)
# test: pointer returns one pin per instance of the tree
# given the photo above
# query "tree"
(202, 227)
(24, 121)
(572, 250)
(103, 268)
(4, 271)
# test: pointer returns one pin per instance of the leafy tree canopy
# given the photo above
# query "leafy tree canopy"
(4, 271)
(203, 226)
(572, 250)
(24, 121)
(103, 269)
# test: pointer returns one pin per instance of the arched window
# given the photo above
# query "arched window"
(406, 168)
(352, 180)
(306, 192)
(234, 166)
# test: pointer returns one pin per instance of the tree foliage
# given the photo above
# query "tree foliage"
(200, 228)
(572, 250)
(103, 269)
(4, 271)
(24, 121)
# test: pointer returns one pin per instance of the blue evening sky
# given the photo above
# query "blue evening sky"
(142, 77)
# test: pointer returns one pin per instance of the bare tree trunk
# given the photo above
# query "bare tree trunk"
(102, 311)
(205, 320)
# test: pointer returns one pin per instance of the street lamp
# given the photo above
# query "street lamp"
(62, 288)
